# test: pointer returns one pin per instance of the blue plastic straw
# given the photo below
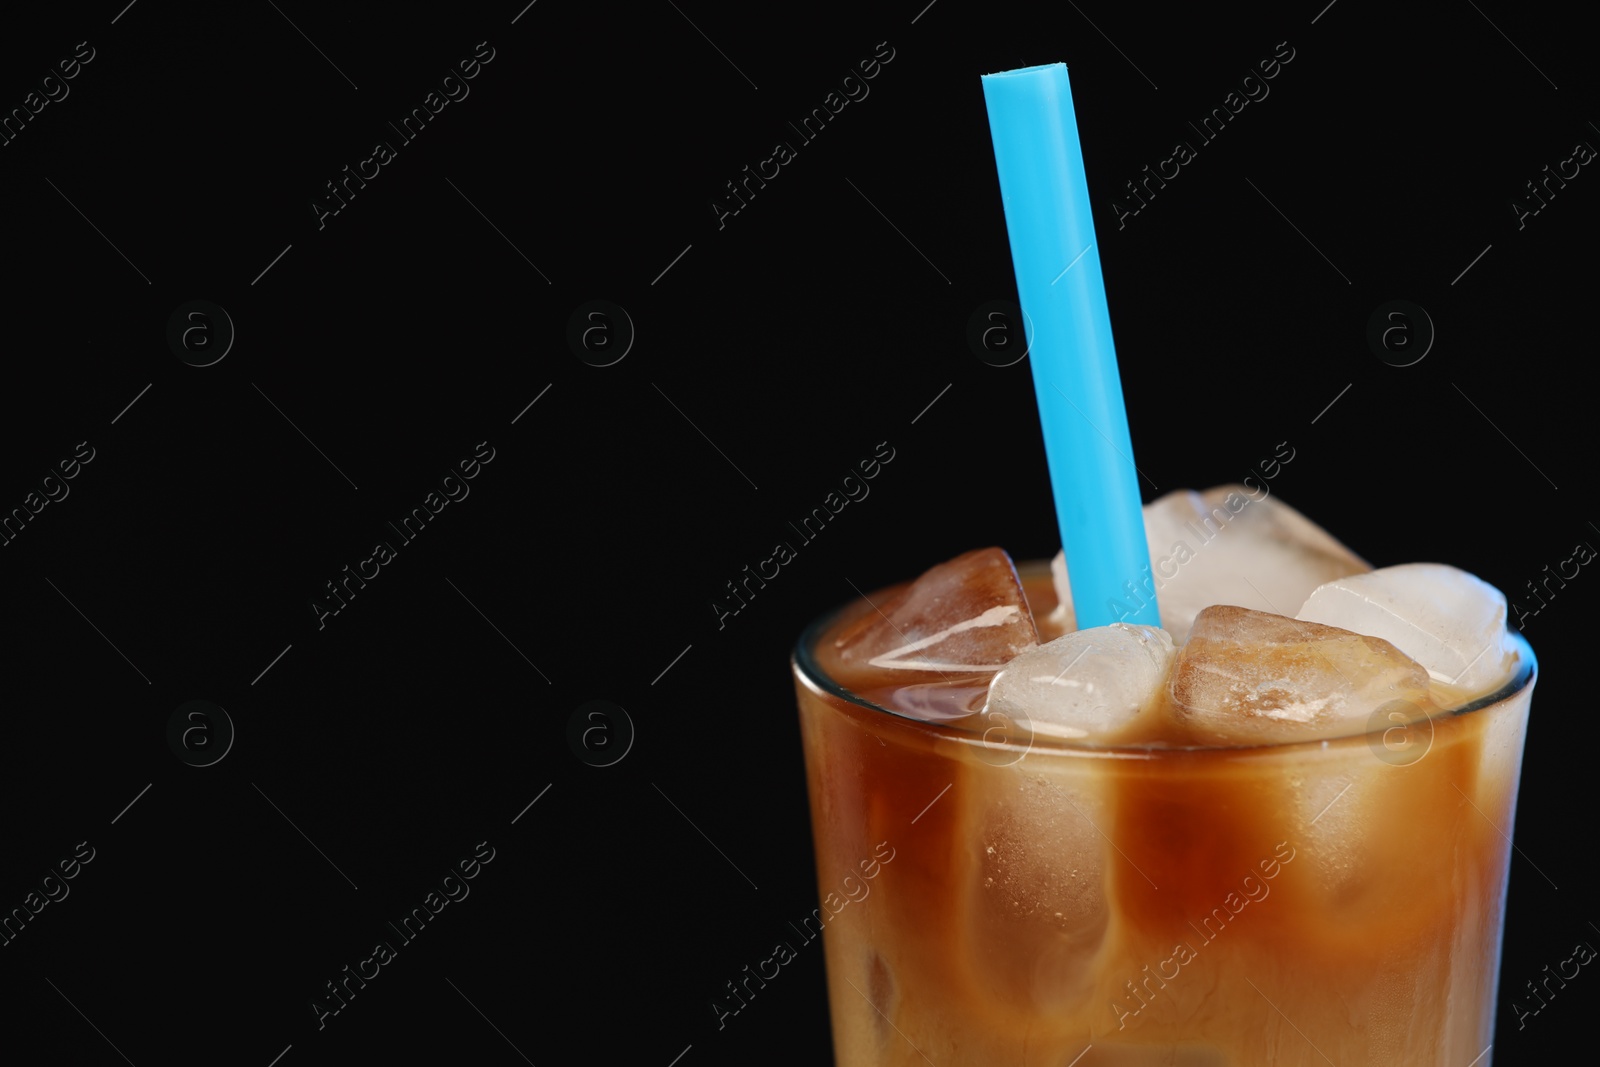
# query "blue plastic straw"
(1068, 324)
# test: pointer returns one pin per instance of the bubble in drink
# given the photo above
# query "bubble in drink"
(1251, 677)
(1451, 622)
(1087, 684)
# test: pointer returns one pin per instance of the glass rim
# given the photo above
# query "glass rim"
(810, 671)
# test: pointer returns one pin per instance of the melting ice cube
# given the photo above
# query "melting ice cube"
(1229, 545)
(963, 616)
(1249, 677)
(1089, 683)
(1451, 622)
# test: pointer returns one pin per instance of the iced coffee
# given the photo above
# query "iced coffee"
(1272, 830)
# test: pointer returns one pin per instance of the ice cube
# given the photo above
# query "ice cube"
(1229, 545)
(1090, 683)
(1038, 899)
(1042, 852)
(1250, 677)
(1451, 622)
(963, 616)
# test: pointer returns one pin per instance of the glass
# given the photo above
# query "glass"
(989, 897)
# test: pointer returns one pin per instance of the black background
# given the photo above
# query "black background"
(771, 354)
